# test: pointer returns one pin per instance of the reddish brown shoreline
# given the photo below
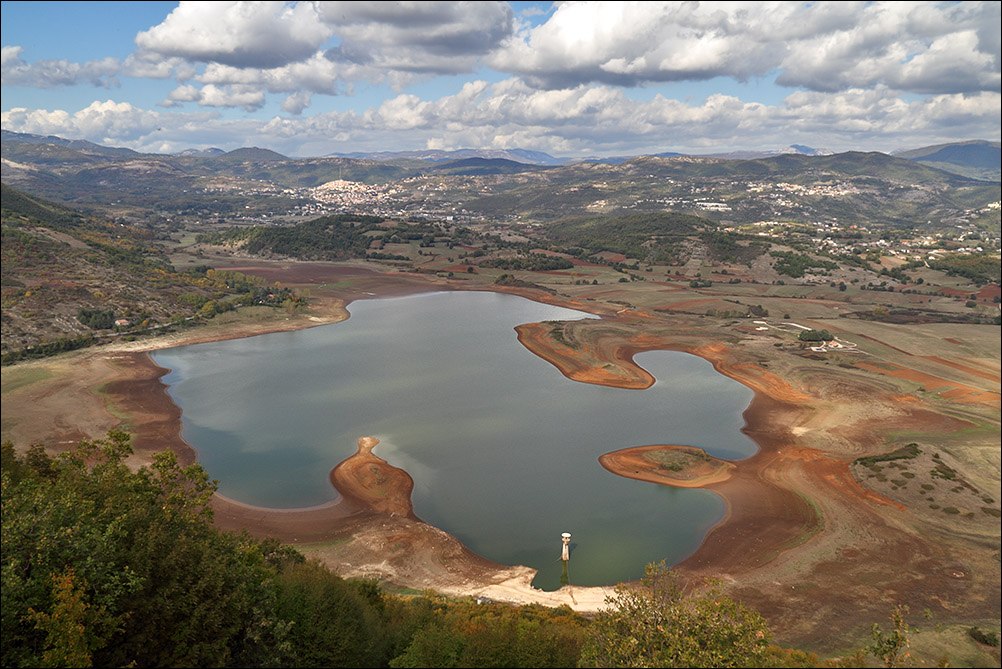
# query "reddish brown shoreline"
(631, 463)
(754, 504)
(853, 548)
(788, 496)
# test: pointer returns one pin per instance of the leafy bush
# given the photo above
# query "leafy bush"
(796, 265)
(658, 625)
(987, 638)
(97, 319)
(110, 567)
(908, 452)
(815, 335)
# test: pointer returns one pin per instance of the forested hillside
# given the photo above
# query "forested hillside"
(69, 278)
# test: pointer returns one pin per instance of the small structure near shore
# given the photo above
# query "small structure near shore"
(565, 553)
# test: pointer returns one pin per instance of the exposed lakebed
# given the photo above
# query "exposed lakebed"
(502, 448)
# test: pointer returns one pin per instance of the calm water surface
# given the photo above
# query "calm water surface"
(502, 448)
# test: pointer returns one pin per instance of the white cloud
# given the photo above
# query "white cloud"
(602, 119)
(419, 37)
(315, 74)
(50, 73)
(147, 65)
(951, 63)
(920, 47)
(248, 97)
(10, 57)
(101, 122)
(185, 93)
(628, 43)
(242, 34)
(583, 120)
(392, 43)
(297, 102)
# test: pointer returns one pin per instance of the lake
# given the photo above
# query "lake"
(502, 448)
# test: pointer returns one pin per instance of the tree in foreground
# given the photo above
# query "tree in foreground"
(657, 624)
(106, 566)
(467, 634)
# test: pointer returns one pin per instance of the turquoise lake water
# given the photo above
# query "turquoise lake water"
(502, 448)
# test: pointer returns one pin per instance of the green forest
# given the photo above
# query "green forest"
(105, 566)
(325, 238)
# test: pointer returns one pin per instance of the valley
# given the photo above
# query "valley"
(823, 530)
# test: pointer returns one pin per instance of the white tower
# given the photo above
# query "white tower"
(565, 554)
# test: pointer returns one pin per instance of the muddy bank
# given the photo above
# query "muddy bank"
(801, 541)
(695, 469)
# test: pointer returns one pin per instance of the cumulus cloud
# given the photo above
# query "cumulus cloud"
(297, 102)
(375, 41)
(423, 37)
(853, 68)
(108, 120)
(918, 47)
(235, 54)
(241, 34)
(276, 48)
(601, 119)
(250, 98)
(298, 81)
(186, 93)
(51, 73)
(146, 65)
(574, 121)
(315, 75)
(922, 48)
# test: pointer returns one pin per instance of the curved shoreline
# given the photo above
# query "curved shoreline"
(317, 524)
(759, 513)
(631, 463)
(794, 514)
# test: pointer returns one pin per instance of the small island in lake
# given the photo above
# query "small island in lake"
(679, 466)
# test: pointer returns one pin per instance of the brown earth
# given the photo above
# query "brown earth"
(637, 463)
(372, 483)
(802, 541)
(948, 389)
(967, 369)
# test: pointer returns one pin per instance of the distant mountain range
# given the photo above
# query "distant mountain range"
(977, 158)
(540, 158)
(78, 145)
(200, 153)
(437, 156)
(799, 182)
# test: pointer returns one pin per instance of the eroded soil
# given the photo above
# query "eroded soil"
(803, 542)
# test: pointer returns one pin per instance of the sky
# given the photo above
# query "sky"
(572, 79)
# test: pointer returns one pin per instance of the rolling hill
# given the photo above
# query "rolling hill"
(978, 159)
